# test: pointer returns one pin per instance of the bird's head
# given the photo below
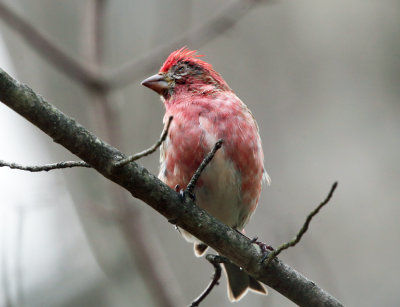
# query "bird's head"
(184, 71)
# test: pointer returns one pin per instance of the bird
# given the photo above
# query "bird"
(205, 109)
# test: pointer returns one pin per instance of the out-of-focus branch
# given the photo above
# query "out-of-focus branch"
(50, 51)
(102, 114)
(303, 229)
(149, 259)
(93, 32)
(46, 167)
(224, 19)
(147, 187)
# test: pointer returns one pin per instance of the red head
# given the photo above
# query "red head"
(183, 55)
(183, 68)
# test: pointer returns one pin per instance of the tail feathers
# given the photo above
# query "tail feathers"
(257, 286)
(199, 249)
(239, 282)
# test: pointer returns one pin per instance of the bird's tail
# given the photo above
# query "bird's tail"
(239, 282)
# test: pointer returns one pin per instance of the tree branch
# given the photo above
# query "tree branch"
(145, 186)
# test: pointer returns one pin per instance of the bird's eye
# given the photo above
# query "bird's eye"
(181, 69)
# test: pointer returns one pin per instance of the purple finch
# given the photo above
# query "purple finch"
(205, 109)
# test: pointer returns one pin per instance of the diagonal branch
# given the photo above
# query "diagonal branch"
(224, 19)
(50, 51)
(145, 186)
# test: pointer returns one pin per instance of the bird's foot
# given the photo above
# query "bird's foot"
(180, 191)
(265, 248)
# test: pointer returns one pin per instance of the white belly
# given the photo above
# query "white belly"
(219, 193)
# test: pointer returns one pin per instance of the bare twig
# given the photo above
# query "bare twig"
(192, 183)
(221, 21)
(49, 51)
(216, 261)
(147, 151)
(270, 256)
(45, 167)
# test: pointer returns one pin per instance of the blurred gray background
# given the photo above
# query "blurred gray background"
(322, 79)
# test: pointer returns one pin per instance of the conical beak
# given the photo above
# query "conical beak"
(157, 83)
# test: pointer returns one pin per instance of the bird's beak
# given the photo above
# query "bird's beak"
(157, 83)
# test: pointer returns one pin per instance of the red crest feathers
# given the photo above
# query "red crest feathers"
(183, 54)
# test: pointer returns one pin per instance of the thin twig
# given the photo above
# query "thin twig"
(45, 167)
(216, 261)
(49, 51)
(190, 187)
(223, 20)
(147, 151)
(270, 256)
